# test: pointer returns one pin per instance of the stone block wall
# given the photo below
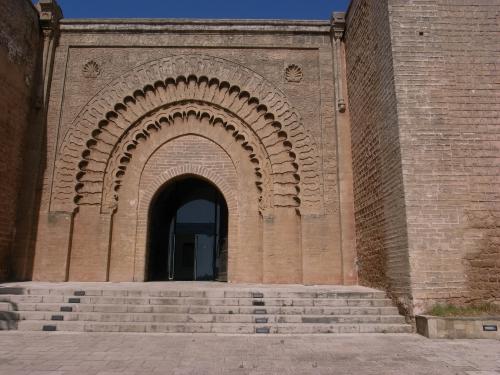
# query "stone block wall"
(20, 43)
(424, 88)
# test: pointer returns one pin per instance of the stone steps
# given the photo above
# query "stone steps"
(8, 316)
(206, 318)
(230, 328)
(190, 308)
(6, 306)
(137, 293)
(190, 301)
(186, 309)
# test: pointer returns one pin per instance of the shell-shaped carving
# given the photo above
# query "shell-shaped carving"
(293, 73)
(91, 69)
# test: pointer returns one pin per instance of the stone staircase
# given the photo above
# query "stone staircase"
(192, 308)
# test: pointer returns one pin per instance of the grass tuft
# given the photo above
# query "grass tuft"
(484, 309)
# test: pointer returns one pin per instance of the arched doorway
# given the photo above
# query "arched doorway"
(188, 232)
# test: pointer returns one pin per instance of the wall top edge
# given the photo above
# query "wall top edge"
(145, 25)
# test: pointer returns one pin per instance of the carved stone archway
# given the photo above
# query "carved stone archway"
(164, 120)
(146, 199)
(270, 159)
(131, 210)
(86, 150)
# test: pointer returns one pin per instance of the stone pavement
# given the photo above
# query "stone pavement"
(38, 353)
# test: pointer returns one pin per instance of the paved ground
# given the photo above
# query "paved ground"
(57, 353)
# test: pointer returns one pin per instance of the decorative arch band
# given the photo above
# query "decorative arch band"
(171, 122)
(115, 112)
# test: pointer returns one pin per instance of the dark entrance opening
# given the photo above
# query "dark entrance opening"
(188, 233)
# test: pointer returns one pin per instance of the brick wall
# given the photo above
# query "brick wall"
(298, 248)
(447, 79)
(19, 43)
(378, 182)
(424, 88)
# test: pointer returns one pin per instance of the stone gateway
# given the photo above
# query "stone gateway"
(360, 150)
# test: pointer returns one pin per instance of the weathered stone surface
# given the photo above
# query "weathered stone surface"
(423, 94)
(20, 43)
(458, 328)
(139, 353)
(203, 307)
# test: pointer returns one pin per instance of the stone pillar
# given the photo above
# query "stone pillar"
(345, 174)
(50, 250)
(282, 247)
(90, 245)
(321, 258)
(245, 260)
(53, 246)
(50, 15)
(123, 263)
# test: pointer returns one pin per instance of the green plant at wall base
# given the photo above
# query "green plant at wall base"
(485, 309)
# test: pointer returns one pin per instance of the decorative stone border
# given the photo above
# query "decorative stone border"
(115, 111)
(435, 327)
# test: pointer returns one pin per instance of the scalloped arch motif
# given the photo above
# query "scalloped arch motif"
(113, 111)
(178, 116)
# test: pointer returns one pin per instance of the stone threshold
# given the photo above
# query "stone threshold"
(188, 285)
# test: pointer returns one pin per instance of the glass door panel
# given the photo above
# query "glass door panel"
(204, 259)
(184, 257)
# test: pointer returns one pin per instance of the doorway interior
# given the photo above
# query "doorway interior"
(188, 233)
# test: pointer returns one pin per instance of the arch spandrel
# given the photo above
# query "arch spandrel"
(133, 96)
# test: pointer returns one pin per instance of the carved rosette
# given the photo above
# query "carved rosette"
(91, 69)
(293, 73)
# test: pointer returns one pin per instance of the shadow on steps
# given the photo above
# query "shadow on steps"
(9, 318)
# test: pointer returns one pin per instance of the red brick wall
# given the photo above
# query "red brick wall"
(19, 43)
(447, 79)
(378, 181)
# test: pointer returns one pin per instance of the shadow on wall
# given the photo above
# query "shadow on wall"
(34, 163)
(372, 260)
(30, 197)
(23, 124)
(483, 265)
(379, 195)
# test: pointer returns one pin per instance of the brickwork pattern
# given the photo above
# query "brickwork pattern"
(380, 220)
(180, 78)
(112, 109)
(447, 81)
(426, 145)
(131, 110)
(192, 155)
(19, 43)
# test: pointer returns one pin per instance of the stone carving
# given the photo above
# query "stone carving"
(293, 73)
(87, 147)
(91, 69)
(161, 121)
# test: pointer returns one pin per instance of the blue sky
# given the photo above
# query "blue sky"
(281, 9)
